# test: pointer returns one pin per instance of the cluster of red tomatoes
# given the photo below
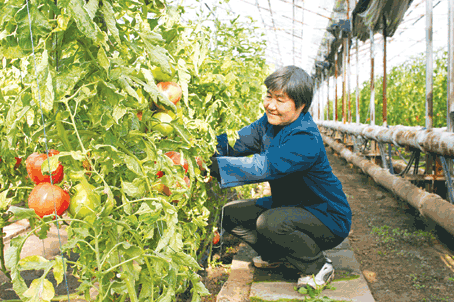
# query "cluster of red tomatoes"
(46, 198)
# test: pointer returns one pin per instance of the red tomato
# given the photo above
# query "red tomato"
(45, 198)
(33, 164)
(216, 237)
(18, 161)
(176, 158)
(172, 90)
(163, 189)
(200, 163)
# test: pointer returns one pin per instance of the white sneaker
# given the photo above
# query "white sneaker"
(258, 262)
(322, 278)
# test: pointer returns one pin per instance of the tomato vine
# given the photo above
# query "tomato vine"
(98, 65)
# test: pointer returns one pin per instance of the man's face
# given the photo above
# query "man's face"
(280, 109)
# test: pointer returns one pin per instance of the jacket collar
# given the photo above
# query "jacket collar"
(303, 121)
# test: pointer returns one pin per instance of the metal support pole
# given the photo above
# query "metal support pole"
(318, 100)
(347, 49)
(344, 78)
(322, 95)
(372, 83)
(348, 84)
(450, 82)
(429, 64)
(335, 86)
(385, 113)
(450, 79)
(327, 97)
(327, 84)
(429, 85)
(357, 82)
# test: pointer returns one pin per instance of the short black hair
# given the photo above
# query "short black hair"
(295, 82)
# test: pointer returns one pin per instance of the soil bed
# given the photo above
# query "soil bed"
(215, 275)
(403, 256)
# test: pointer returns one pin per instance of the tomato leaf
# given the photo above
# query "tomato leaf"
(118, 113)
(21, 213)
(34, 262)
(184, 79)
(124, 83)
(167, 295)
(45, 227)
(50, 164)
(91, 7)
(103, 60)
(40, 290)
(58, 269)
(186, 260)
(12, 257)
(83, 21)
(132, 164)
(110, 19)
(199, 288)
(4, 201)
(133, 189)
(77, 155)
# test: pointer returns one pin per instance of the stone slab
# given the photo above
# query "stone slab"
(344, 260)
(237, 288)
(234, 291)
(15, 229)
(345, 245)
(352, 290)
(48, 248)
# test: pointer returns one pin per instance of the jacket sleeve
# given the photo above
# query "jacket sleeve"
(247, 143)
(298, 152)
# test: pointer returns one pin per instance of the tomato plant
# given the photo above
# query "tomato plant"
(406, 94)
(97, 67)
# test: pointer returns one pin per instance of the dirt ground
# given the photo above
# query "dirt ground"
(403, 256)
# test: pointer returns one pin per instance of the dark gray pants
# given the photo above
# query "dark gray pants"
(284, 233)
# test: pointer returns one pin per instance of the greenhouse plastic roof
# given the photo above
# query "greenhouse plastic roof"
(309, 33)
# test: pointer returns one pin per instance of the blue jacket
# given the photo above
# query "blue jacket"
(295, 164)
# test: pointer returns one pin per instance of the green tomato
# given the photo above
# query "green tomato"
(84, 202)
(162, 125)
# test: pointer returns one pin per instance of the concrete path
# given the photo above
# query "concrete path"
(247, 283)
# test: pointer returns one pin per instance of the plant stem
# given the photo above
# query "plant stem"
(98, 262)
(2, 256)
(130, 286)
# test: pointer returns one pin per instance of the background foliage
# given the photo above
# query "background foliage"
(406, 94)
